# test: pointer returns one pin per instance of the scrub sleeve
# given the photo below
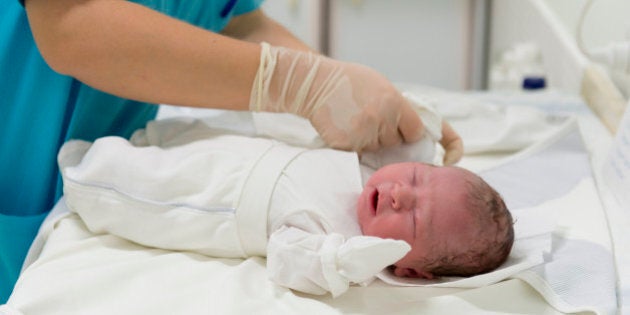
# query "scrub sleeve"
(42, 109)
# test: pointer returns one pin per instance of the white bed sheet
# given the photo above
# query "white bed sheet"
(77, 272)
(82, 273)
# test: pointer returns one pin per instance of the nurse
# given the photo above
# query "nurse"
(83, 69)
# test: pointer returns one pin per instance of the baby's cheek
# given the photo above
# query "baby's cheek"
(390, 226)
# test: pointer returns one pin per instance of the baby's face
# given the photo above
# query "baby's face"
(421, 204)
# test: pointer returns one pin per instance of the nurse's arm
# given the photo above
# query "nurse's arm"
(134, 52)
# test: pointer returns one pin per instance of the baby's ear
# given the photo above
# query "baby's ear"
(412, 273)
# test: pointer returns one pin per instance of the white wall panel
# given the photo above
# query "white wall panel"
(301, 17)
(430, 42)
(415, 41)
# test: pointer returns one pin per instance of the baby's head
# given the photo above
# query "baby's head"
(456, 224)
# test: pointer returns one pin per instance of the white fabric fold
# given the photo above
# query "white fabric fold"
(318, 263)
(361, 257)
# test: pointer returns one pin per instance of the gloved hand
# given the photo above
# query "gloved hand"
(452, 144)
(351, 106)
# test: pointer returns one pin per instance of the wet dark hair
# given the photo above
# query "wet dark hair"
(495, 236)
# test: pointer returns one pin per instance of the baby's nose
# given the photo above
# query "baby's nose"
(402, 197)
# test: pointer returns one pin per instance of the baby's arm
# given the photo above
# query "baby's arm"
(317, 263)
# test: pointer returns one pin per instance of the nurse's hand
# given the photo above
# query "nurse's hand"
(351, 106)
(452, 143)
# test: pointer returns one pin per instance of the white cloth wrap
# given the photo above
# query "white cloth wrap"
(148, 203)
(218, 196)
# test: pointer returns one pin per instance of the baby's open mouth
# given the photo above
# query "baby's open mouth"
(374, 201)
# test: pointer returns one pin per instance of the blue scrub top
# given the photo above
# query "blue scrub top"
(41, 109)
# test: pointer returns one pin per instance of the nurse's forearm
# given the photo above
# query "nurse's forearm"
(134, 52)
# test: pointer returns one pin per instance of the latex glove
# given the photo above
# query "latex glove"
(351, 106)
(452, 143)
